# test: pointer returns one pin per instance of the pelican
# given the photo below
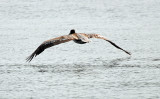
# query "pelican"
(80, 38)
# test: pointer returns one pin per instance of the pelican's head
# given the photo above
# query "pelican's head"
(72, 31)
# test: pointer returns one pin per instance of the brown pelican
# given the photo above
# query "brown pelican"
(80, 38)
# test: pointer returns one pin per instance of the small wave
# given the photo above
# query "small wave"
(156, 59)
(117, 62)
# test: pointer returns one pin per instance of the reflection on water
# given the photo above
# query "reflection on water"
(116, 62)
(92, 71)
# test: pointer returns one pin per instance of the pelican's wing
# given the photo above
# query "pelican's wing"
(50, 43)
(101, 37)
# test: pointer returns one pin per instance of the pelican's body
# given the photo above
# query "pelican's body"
(80, 38)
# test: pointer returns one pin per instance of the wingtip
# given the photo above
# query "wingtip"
(29, 59)
(118, 47)
(129, 53)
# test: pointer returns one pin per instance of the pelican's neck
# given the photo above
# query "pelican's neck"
(72, 31)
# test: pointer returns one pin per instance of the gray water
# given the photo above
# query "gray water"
(96, 70)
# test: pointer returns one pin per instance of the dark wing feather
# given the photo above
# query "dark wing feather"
(50, 43)
(118, 47)
(101, 37)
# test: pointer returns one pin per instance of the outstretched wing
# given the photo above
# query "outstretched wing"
(50, 43)
(101, 37)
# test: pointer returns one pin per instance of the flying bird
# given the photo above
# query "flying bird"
(80, 38)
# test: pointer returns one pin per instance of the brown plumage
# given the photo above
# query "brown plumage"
(80, 38)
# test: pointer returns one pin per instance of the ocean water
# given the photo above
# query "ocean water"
(96, 70)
